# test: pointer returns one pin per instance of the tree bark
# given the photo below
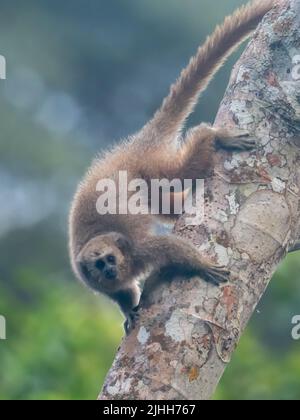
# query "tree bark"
(188, 329)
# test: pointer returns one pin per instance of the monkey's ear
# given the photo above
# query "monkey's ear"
(122, 241)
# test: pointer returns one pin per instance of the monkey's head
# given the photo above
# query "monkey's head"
(105, 263)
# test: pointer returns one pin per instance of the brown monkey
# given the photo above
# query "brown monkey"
(112, 252)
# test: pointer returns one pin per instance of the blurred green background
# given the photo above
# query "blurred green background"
(80, 75)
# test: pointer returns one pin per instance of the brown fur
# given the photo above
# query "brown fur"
(110, 252)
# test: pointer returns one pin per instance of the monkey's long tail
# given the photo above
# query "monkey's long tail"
(226, 38)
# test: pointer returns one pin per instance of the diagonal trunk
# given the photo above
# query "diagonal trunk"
(188, 331)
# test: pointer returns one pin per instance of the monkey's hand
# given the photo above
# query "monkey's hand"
(128, 299)
(131, 319)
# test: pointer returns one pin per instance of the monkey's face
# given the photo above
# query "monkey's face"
(104, 263)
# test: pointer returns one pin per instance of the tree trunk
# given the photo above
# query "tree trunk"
(188, 329)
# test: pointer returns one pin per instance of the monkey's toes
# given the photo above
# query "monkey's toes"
(239, 141)
(244, 143)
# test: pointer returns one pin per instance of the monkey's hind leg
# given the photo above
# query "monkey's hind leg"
(198, 150)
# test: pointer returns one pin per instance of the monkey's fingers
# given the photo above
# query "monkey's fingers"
(243, 143)
(126, 326)
(131, 320)
(216, 275)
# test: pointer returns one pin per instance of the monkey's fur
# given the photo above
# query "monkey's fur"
(111, 253)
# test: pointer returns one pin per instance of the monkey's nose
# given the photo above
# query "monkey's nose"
(110, 273)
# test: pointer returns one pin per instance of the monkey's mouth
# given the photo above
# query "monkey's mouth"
(100, 284)
(110, 273)
(108, 282)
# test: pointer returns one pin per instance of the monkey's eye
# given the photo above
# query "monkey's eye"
(100, 264)
(111, 259)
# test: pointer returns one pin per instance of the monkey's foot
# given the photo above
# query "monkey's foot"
(240, 141)
(131, 320)
(216, 275)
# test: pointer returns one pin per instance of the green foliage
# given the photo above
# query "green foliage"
(255, 373)
(80, 75)
(60, 343)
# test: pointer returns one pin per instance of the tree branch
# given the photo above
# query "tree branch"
(188, 329)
